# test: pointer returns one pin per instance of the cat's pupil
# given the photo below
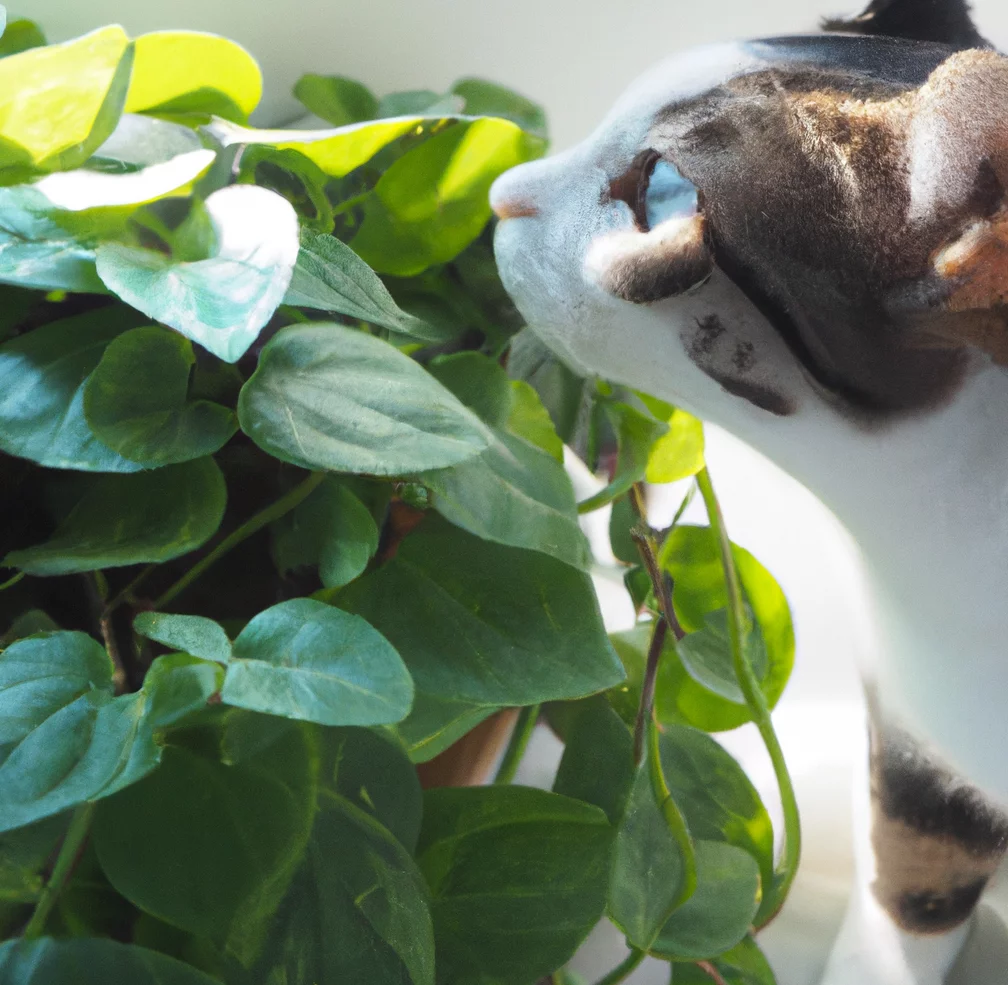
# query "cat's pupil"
(668, 195)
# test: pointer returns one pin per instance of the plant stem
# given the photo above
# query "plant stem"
(73, 841)
(127, 591)
(251, 526)
(517, 744)
(12, 581)
(787, 867)
(711, 972)
(673, 818)
(645, 708)
(620, 972)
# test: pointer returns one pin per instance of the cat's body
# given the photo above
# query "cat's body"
(805, 240)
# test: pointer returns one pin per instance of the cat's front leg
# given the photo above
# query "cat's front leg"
(925, 843)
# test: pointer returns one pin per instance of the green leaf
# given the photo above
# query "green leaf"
(193, 72)
(370, 769)
(25, 855)
(37, 251)
(229, 835)
(178, 684)
(648, 870)
(337, 152)
(136, 401)
(195, 635)
(336, 99)
(483, 98)
(636, 434)
(20, 35)
(424, 101)
(530, 420)
(715, 796)
(479, 623)
(372, 901)
(140, 141)
(91, 961)
(42, 378)
(42, 674)
(148, 517)
(313, 402)
(222, 302)
(707, 656)
(435, 723)
(597, 765)
(719, 914)
(517, 876)
(690, 555)
(513, 494)
(433, 201)
(332, 529)
(329, 276)
(77, 93)
(744, 964)
(479, 382)
(679, 453)
(307, 660)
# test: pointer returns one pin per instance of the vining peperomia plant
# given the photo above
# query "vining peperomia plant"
(285, 514)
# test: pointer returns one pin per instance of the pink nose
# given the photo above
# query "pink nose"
(510, 203)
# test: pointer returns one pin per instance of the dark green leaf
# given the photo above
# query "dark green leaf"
(336, 99)
(307, 660)
(647, 871)
(435, 723)
(332, 529)
(136, 401)
(636, 434)
(433, 201)
(370, 769)
(222, 302)
(132, 519)
(479, 382)
(29, 623)
(513, 494)
(24, 856)
(85, 961)
(719, 914)
(621, 522)
(178, 684)
(707, 656)
(20, 35)
(424, 101)
(77, 89)
(372, 901)
(597, 765)
(715, 796)
(483, 98)
(329, 276)
(517, 876)
(477, 622)
(229, 836)
(313, 402)
(196, 635)
(744, 964)
(42, 379)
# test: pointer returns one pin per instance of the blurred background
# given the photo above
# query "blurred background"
(575, 57)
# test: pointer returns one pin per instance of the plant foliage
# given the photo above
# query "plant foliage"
(285, 514)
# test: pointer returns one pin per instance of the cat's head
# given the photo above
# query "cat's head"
(776, 229)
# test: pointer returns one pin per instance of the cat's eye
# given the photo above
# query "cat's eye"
(655, 191)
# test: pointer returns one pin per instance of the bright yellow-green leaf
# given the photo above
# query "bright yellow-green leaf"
(679, 453)
(191, 72)
(58, 103)
(337, 152)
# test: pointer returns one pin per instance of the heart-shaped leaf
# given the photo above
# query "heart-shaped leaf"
(196, 635)
(136, 401)
(222, 302)
(313, 402)
(307, 660)
(336, 99)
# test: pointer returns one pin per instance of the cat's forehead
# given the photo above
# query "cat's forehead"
(684, 78)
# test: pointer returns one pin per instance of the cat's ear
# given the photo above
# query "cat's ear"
(945, 21)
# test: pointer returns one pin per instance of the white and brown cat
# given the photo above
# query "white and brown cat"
(805, 240)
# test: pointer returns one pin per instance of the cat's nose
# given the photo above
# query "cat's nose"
(509, 199)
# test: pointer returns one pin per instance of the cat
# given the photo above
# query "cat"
(805, 240)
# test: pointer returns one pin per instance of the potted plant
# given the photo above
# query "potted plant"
(286, 526)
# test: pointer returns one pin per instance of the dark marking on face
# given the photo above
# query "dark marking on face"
(755, 393)
(936, 839)
(631, 186)
(929, 911)
(704, 339)
(744, 357)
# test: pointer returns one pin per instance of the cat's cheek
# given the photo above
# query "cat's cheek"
(642, 268)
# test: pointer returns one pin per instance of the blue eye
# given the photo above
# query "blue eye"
(668, 194)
